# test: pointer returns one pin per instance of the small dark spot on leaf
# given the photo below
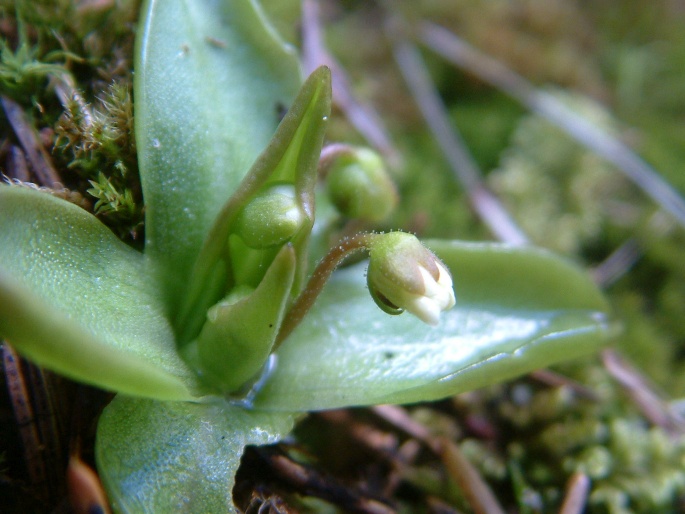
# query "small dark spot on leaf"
(271, 325)
(389, 355)
(281, 111)
(215, 42)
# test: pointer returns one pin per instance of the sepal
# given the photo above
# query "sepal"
(290, 158)
(237, 337)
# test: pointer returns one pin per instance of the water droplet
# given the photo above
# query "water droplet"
(156, 143)
(189, 213)
(325, 118)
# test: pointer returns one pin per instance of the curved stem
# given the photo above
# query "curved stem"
(322, 273)
(329, 154)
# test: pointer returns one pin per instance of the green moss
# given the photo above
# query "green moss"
(69, 65)
(631, 465)
(563, 195)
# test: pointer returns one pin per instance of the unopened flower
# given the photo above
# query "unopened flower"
(271, 218)
(404, 275)
(357, 182)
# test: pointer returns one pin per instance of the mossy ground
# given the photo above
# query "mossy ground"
(68, 65)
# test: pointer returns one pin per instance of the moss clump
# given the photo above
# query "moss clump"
(69, 65)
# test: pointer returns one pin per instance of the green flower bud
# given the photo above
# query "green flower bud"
(271, 218)
(404, 275)
(359, 186)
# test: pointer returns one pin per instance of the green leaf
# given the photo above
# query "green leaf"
(291, 157)
(178, 457)
(518, 309)
(211, 81)
(77, 300)
(238, 335)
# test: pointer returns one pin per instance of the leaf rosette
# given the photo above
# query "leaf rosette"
(188, 330)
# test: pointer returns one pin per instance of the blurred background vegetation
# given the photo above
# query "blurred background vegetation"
(619, 418)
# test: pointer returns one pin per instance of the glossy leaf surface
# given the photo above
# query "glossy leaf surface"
(518, 309)
(175, 456)
(290, 158)
(211, 83)
(79, 301)
(238, 336)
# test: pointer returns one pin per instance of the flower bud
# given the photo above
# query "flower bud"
(271, 218)
(359, 186)
(404, 275)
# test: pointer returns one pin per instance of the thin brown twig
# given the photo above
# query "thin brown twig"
(458, 52)
(621, 260)
(478, 493)
(643, 394)
(380, 442)
(40, 161)
(475, 488)
(314, 483)
(577, 490)
(485, 203)
(361, 115)
(18, 388)
(398, 417)
(17, 167)
(553, 379)
(618, 263)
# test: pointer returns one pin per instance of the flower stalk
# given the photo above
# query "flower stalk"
(402, 275)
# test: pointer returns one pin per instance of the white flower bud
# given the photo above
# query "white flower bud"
(404, 275)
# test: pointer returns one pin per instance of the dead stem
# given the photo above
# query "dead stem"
(40, 161)
(486, 204)
(577, 490)
(314, 483)
(458, 52)
(476, 490)
(554, 379)
(361, 115)
(18, 389)
(17, 167)
(621, 260)
(643, 394)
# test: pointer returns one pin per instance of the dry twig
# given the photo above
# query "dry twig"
(591, 136)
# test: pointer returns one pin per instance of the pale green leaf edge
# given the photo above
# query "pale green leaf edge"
(76, 300)
(290, 157)
(211, 79)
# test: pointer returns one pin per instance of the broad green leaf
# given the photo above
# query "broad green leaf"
(211, 82)
(518, 309)
(77, 300)
(178, 457)
(290, 158)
